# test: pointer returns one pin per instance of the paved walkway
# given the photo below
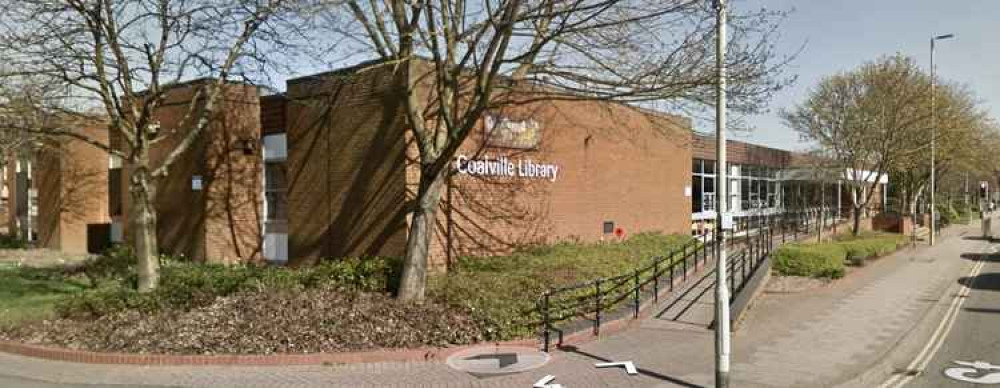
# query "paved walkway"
(813, 338)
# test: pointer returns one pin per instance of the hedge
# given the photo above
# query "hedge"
(827, 259)
(818, 260)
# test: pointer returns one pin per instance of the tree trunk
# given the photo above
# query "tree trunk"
(856, 229)
(142, 219)
(413, 282)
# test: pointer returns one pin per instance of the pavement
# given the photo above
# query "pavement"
(821, 337)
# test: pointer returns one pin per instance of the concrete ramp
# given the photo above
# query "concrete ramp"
(692, 305)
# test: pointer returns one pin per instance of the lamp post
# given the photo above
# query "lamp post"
(934, 138)
(722, 222)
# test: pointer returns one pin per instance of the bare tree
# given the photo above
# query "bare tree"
(859, 119)
(120, 58)
(474, 56)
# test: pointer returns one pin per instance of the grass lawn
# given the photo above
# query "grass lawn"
(501, 291)
(31, 293)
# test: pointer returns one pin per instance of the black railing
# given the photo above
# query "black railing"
(593, 300)
(751, 240)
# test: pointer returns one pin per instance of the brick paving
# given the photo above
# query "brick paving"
(812, 338)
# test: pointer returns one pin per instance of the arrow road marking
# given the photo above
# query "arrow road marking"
(978, 372)
(503, 359)
(629, 366)
(544, 382)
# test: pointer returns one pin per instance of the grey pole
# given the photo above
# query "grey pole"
(722, 334)
(934, 138)
(933, 141)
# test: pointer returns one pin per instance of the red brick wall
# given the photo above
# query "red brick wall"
(345, 166)
(233, 181)
(346, 174)
(220, 222)
(616, 164)
(703, 147)
(71, 177)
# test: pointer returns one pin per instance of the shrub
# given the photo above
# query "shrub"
(818, 260)
(947, 213)
(117, 263)
(186, 285)
(10, 241)
(500, 292)
(824, 260)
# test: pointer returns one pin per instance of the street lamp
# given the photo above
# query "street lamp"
(722, 221)
(934, 137)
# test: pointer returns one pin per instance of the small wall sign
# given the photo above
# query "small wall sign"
(196, 183)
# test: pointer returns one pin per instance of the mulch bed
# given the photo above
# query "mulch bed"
(325, 319)
(793, 284)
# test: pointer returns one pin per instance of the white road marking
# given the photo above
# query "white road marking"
(544, 382)
(974, 368)
(629, 366)
(937, 339)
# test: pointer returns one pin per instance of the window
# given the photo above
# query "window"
(276, 186)
(115, 192)
(702, 185)
(772, 194)
(696, 194)
(745, 193)
(708, 184)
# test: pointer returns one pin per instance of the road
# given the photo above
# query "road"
(974, 334)
(19, 382)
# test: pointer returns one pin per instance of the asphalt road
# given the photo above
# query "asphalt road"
(974, 339)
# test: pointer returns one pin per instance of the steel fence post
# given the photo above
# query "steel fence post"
(656, 280)
(597, 307)
(546, 325)
(635, 296)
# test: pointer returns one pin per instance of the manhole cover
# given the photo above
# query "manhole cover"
(494, 360)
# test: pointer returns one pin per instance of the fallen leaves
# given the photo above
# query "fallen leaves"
(324, 319)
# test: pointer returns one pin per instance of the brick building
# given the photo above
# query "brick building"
(326, 170)
(208, 205)
(547, 171)
(55, 190)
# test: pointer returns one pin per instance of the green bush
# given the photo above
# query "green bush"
(116, 264)
(947, 213)
(818, 260)
(964, 215)
(501, 292)
(10, 241)
(821, 259)
(186, 285)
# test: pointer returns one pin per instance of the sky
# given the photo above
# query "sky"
(839, 35)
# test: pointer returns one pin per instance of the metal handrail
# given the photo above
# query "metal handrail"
(588, 300)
